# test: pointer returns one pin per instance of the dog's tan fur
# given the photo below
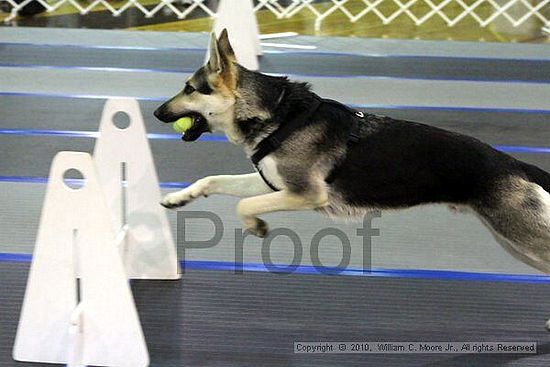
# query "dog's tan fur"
(225, 105)
(388, 167)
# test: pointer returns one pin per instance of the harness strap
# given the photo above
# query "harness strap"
(353, 137)
(276, 138)
(267, 182)
(273, 141)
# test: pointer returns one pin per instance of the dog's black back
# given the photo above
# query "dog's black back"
(400, 163)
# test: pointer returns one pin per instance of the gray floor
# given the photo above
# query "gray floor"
(253, 319)
(214, 318)
(349, 45)
(298, 64)
(359, 91)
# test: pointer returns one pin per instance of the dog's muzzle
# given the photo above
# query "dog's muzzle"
(164, 114)
(199, 126)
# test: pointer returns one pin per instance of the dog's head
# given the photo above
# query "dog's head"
(209, 94)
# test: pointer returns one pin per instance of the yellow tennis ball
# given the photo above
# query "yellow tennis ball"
(183, 124)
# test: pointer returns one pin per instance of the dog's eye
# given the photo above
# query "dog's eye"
(188, 89)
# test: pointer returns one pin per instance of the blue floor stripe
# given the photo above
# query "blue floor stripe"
(289, 74)
(522, 149)
(473, 109)
(80, 96)
(450, 108)
(95, 134)
(15, 258)
(42, 132)
(44, 180)
(105, 47)
(311, 270)
(202, 50)
(214, 138)
(29, 179)
(98, 68)
(377, 272)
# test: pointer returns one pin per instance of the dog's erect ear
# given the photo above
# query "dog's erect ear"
(224, 47)
(214, 63)
(222, 58)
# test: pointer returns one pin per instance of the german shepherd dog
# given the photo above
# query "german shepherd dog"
(394, 164)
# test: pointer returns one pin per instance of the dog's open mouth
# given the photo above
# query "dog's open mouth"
(199, 126)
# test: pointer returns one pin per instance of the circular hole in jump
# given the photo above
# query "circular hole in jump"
(121, 120)
(74, 179)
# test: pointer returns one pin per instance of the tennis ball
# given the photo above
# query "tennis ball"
(183, 124)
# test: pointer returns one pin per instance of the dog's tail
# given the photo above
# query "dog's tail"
(536, 175)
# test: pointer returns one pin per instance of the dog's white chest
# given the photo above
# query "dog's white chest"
(268, 166)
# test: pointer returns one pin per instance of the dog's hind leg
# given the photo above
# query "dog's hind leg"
(248, 209)
(246, 185)
(519, 218)
(518, 214)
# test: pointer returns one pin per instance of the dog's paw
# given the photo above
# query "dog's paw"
(174, 200)
(257, 227)
(180, 198)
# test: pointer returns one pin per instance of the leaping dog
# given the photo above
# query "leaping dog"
(313, 153)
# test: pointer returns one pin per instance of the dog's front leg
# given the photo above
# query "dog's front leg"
(236, 185)
(248, 209)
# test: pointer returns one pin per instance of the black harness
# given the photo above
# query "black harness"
(274, 140)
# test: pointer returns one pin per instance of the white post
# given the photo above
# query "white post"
(76, 328)
(147, 247)
(239, 19)
(78, 306)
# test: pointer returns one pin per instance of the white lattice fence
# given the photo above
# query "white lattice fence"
(180, 12)
(484, 12)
